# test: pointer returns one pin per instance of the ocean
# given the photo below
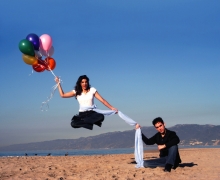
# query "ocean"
(79, 152)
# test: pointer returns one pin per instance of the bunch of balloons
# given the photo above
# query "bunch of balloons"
(34, 48)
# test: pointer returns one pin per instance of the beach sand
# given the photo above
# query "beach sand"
(196, 164)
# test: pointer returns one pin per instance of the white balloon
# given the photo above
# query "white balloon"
(38, 54)
(47, 53)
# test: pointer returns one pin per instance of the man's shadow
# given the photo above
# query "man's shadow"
(181, 165)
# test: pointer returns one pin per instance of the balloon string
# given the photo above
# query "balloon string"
(52, 72)
(32, 72)
(49, 68)
(53, 89)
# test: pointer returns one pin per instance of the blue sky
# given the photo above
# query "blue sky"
(146, 58)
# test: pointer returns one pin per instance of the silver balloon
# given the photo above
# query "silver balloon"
(38, 54)
(48, 53)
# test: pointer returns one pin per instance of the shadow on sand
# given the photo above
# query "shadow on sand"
(182, 165)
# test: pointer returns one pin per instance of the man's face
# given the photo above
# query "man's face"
(160, 127)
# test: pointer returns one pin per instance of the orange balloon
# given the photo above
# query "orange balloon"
(31, 60)
(51, 63)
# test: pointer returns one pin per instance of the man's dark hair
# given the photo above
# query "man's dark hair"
(156, 120)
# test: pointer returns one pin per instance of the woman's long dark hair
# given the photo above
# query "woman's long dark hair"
(78, 87)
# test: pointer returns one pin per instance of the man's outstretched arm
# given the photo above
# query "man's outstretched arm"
(150, 141)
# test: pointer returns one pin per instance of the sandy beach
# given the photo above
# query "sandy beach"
(196, 164)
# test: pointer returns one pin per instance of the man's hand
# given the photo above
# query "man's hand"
(161, 146)
(137, 126)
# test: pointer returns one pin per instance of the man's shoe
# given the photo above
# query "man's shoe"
(165, 170)
(175, 165)
(167, 167)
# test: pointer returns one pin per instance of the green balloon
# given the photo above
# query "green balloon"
(26, 47)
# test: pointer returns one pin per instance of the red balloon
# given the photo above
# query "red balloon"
(50, 63)
(40, 67)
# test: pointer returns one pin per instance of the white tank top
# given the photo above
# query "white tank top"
(86, 99)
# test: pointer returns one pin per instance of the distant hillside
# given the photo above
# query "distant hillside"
(189, 134)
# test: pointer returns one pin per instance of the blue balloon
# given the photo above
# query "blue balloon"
(34, 39)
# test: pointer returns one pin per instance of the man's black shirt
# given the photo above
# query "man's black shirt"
(169, 140)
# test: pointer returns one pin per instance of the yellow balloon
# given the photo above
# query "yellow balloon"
(31, 60)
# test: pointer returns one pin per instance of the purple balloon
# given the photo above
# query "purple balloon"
(34, 39)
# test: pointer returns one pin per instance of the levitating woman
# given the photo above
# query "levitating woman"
(85, 96)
